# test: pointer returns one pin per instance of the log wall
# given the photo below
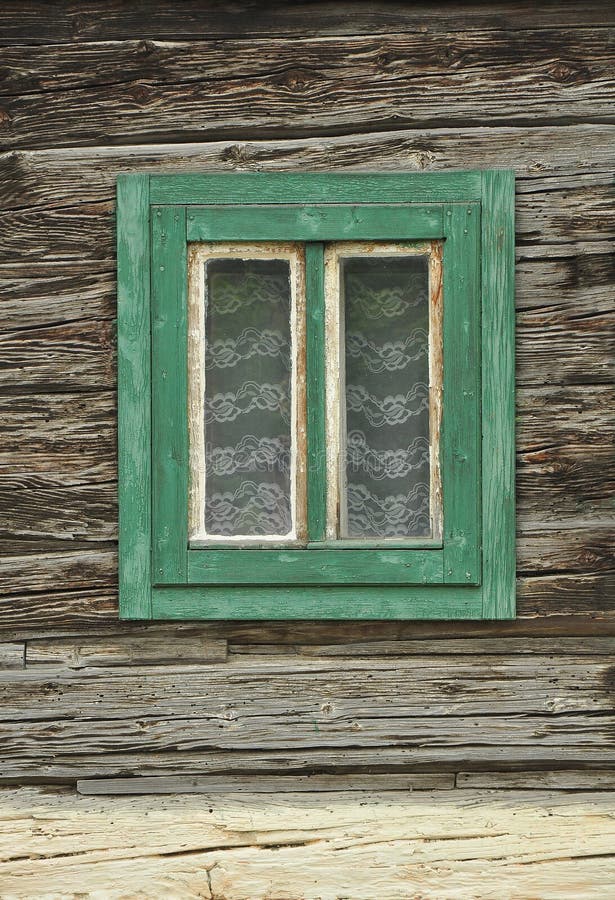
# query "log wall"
(91, 89)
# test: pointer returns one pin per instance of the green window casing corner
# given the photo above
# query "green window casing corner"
(470, 573)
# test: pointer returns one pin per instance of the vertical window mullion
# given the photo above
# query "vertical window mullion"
(315, 377)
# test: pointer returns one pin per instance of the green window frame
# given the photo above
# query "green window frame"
(467, 574)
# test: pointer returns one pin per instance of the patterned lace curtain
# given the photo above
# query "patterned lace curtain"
(247, 397)
(387, 396)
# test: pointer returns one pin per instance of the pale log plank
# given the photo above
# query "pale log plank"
(246, 846)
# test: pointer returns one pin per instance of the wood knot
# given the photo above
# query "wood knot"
(236, 153)
(145, 48)
(140, 94)
(569, 73)
(294, 79)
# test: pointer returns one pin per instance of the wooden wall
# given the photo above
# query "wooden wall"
(91, 89)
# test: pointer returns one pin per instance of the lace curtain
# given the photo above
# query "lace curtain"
(247, 397)
(386, 314)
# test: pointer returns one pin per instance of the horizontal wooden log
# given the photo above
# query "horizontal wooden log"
(470, 712)
(24, 612)
(59, 474)
(545, 156)
(150, 91)
(37, 23)
(460, 646)
(92, 20)
(78, 66)
(206, 784)
(552, 605)
(79, 233)
(567, 780)
(582, 594)
(564, 323)
(78, 290)
(88, 521)
(36, 507)
(70, 437)
(246, 846)
(582, 547)
(69, 570)
(126, 650)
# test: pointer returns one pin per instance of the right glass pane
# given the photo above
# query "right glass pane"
(386, 478)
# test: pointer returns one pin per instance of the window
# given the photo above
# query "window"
(316, 396)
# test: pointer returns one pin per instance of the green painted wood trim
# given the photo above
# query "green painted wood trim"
(330, 602)
(243, 566)
(369, 544)
(315, 393)
(296, 187)
(498, 395)
(496, 597)
(461, 395)
(315, 223)
(169, 394)
(134, 373)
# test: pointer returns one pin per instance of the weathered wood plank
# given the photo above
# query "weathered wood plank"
(78, 355)
(207, 784)
(42, 507)
(37, 23)
(583, 546)
(69, 437)
(541, 156)
(244, 846)
(12, 655)
(126, 650)
(307, 86)
(567, 780)
(552, 606)
(554, 346)
(91, 65)
(462, 646)
(49, 572)
(288, 715)
(58, 455)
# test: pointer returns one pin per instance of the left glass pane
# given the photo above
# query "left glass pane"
(246, 395)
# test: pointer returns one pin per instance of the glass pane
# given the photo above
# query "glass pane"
(247, 404)
(386, 344)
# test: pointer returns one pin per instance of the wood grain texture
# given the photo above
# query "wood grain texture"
(38, 23)
(307, 86)
(205, 784)
(249, 846)
(264, 714)
(540, 155)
